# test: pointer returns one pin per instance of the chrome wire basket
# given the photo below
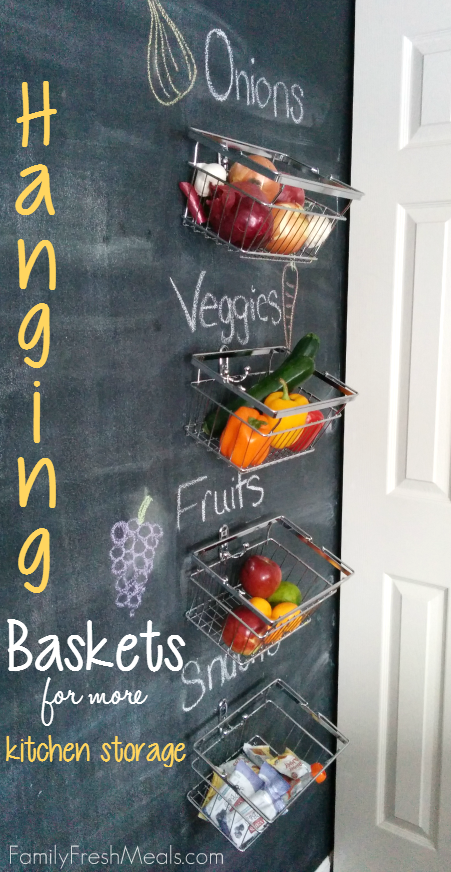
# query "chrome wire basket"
(200, 795)
(220, 607)
(279, 719)
(290, 225)
(220, 391)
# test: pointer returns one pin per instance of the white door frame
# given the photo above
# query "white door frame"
(393, 809)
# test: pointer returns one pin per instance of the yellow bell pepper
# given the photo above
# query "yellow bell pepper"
(291, 427)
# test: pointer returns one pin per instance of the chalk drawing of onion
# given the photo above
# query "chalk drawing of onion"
(171, 67)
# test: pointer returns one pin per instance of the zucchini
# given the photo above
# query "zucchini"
(297, 367)
(307, 347)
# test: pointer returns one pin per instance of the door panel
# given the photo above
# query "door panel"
(411, 696)
(394, 784)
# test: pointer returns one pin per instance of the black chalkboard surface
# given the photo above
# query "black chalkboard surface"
(114, 396)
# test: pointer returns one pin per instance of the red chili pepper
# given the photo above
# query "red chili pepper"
(309, 433)
(194, 205)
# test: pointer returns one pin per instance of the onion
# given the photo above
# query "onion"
(320, 226)
(290, 230)
(205, 183)
(290, 194)
(239, 218)
(240, 173)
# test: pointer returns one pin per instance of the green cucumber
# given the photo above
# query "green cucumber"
(297, 367)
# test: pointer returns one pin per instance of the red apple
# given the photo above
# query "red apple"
(239, 638)
(260, 576)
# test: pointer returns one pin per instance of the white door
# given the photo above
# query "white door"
(394, 781)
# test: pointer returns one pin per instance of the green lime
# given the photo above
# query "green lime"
(286, 593)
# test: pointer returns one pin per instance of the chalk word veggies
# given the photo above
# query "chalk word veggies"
(234, 314)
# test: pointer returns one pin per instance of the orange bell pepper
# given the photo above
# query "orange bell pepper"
(241, 444)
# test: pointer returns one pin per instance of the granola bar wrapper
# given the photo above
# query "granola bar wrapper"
(258, 754)
(233, 815)
(288, 763)
(240, 773)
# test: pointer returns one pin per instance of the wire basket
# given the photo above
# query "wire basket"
(235, 217)
(276, 717)
(220, 389)
(252, 825)
(217, 592)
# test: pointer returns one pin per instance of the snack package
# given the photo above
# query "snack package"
(269, 799)
(244, 777)
(233, 816)
(287, 763)
(258, 754)
(297, 786)
(228, 767)
(215, 785)
(269, 781)
(291, 765)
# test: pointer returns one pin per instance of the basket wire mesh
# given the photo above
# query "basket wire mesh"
(221, 389)
(217, 591)
(243, 816)
(276, 717)
(282, 230)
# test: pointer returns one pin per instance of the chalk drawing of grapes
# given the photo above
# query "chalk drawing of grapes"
(171, 67)
(134, 545)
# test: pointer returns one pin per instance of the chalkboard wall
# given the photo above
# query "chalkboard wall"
(114, 395)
